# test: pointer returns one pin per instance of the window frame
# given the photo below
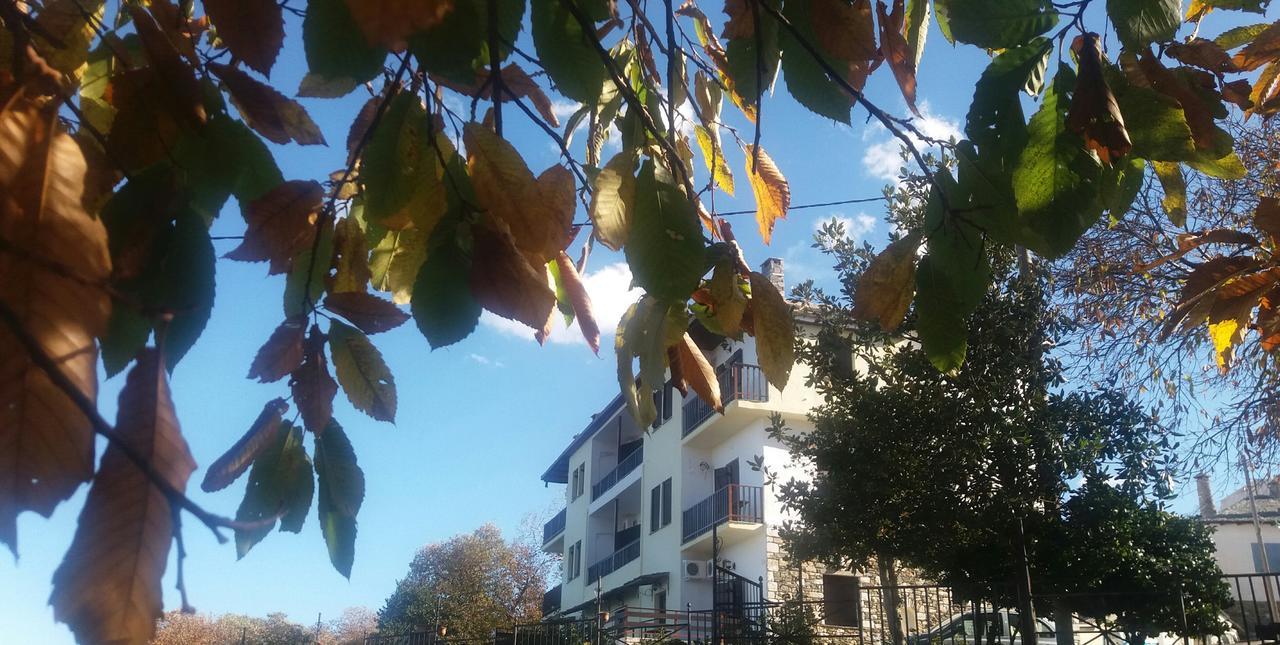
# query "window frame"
(851, 614)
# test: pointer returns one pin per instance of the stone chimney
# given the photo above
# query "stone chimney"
(1205, 495)
(772, 269)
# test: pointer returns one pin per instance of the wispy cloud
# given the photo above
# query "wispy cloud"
(485, 360)
(611, 294)
(882, 157)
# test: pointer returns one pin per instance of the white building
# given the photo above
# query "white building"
(641, 502)
(1235, 537)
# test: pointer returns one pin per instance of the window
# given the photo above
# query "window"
(1273, 556)
(840, 600)
(573, 562)
(579, 481)
(660, 605)
(660, 506)
(663, 403)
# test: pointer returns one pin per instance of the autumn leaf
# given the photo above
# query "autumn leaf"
(727, 300)
(46, 448)
(252, 29)
(640, 333)
(772, 192)
(845, 30)
(1263, 49)
(1202, 53)
(371, 314)
(774, 330)
(504, 282)
(1175, 190)
(1094, 114)
(281, 354)
(281, 486)
(1266, 217)
(389, 23)
(241, 454)
(177, 81)
(351, 257)
(312, 386)
(107, 589)
(897, 53)
(886, 288)
(273, 115)
(698, 373)
(341, 495)
(581, 301)
(400, 172)
(281, 224)
(1198, 114)
(395, 261)
(613, 200)
(362, 373)
(712, 152)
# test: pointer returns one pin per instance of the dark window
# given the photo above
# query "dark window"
(575, 560)
(1273, 556)
(655, 508)
(666, 502)
(840, 600)
(579, 483)
(660, 605)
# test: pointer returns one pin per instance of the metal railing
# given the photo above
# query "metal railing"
(1256, 610)
(613, 561)
(732, 503)
(738, 381)
(628, 464)
(553, 527)
(551, 600)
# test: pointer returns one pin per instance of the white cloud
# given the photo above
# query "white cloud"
(882, 157)
(485, 360)
(611, 294)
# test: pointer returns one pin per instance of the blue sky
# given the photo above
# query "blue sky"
(479, 421)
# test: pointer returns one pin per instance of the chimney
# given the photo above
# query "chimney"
(1205, 495)
(772, 269)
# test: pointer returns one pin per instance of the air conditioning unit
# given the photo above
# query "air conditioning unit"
(696, 570)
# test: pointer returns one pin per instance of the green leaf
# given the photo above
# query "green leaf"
(743, 64)
(997, 24)
(917, 28)
(458, 46)
(1120, 185)
(334, 46)
(184, 281)
(1254, 6)
(806, 81)
(665, 246)
(395, 261)
(224, 158)
(280, 486)
(563, 305)
(627, 343)
(951, 280)
(1157, 125)
(362, 373)
(941, 10)
(127, 334)
(296, 283)
(1229, 167)
(442, 304)
(613, 200)
(995, 122)
(1056, 180)
(570, 59)
(1139, 23)
(400, 171)
(341, 495)
(1237, 36)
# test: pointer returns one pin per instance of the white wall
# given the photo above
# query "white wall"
(1234, 541)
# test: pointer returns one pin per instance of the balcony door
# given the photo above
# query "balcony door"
(726, 475)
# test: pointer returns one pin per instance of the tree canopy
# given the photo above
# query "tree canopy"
(126, 127)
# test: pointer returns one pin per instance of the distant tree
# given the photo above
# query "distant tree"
(472, 584)
(177, 628)
(352, 627)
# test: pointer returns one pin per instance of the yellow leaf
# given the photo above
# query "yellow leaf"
(774, 330)
(612, 200)
(351, 257)
(66, 21)
(1225, 334)
(886, 288)
(395, 261)
(55, 286)
(1175, 190)
(773, 194)
(709, 142)
(107, 589)
(698, 373)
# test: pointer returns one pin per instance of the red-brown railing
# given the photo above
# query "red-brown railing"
(738, 381)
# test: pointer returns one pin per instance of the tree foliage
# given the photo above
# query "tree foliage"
(127, 127)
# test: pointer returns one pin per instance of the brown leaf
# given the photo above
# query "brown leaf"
(774, 329)
(1094, 114)
(1265, 97)
(313, 386)
(1204, 54)
(177, 27)
(1197, 112)
(46, 444)
(390, 22)
(107, 589)
(1238, 92)
(181, 89)
(147, 122)
(538, 212)
(1264, 49)
(252, 29)
(739, 20)
(886, 288)
(773, 194)
(1267, 217)
(240, 456)
(281, 224)
(845, 30)
(1197, 291)
(274, 115)
(517, 85)
(716, 52)
(1188, 242)
(281, 354)
(360, 125)
(580, 300)
(1268, 321)
(698, 373)
(370, 313)
(502, 279)
(897, 53)
(351, 257)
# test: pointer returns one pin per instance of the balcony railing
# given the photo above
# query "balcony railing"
(551, 601)
(613, 562)
(738, 381)
(553, 527)
(733, 503)
(628, 464)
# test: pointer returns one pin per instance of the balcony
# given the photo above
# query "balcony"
(628, 464)
(613, 562)
(738, 382)
(553, 527)
(551, 601)
(733, 503)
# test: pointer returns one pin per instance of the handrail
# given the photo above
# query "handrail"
(732, 503)
(551, 600)
(553, 527)
(613, 561)
(628, 464)
(738, 382)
